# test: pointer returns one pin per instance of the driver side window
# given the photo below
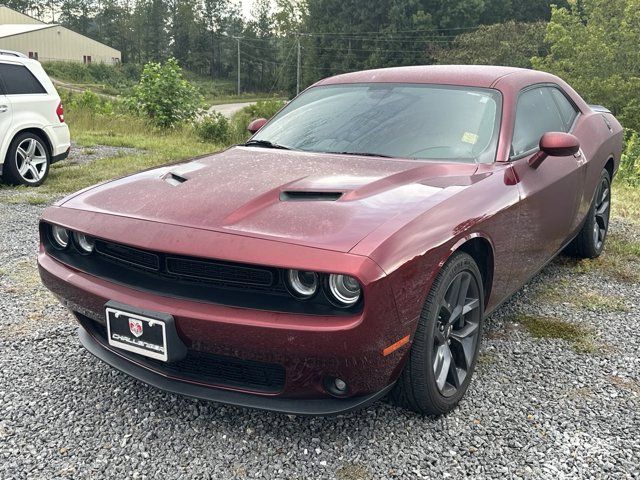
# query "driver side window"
(536, 114)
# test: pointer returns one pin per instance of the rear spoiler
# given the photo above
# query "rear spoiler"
(599, 109)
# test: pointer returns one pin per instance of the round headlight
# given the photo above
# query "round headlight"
(85, 243)
(59, 236)
(344, 289)
(302, 284)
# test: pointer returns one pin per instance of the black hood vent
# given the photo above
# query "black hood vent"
(174, 179)
(304, 196)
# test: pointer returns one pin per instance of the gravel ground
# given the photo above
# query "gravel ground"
(537, 407)
(81, 155)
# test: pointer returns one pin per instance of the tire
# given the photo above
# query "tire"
(589, 243)
(27, 161)
(420, 387)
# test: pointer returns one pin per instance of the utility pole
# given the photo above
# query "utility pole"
(298, 71)
(238, 39)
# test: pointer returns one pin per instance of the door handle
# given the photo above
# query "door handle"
(3, 108)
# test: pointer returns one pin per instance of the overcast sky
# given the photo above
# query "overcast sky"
(246, 7)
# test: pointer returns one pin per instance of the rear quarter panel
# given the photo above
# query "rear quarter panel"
(601, 137)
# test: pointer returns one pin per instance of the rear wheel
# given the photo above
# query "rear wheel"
(27, 161)
(446, 343)
(590, 241)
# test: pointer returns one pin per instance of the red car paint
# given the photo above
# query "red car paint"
(395, 226)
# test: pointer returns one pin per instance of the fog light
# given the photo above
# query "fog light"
(59, 237)
(85, 243)
(336, 386)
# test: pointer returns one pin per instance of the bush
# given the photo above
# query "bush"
(242, 119)
(90, 102)
(164, 95)
(629, 171)
(214, 128)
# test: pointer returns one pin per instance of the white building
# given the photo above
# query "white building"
(49, 41)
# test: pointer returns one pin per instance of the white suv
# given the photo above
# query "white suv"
(33, 134)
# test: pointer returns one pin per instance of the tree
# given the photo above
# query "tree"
(593, 45)
(510, 43)
(78, 15)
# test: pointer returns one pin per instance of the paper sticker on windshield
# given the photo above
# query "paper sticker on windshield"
(469, 137)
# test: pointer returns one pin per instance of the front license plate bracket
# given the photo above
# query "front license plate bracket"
(144, 332)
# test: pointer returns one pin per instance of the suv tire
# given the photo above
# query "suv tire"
(27, 162)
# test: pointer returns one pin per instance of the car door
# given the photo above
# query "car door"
(550, 194)
(25, 93)
(5, 115)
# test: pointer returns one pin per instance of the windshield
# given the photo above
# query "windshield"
(396, 120)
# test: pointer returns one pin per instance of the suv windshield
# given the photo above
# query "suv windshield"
(390, 120)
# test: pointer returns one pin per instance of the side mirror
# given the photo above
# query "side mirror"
(256, 125)
(555, 144)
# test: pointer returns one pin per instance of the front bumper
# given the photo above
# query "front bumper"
(309, 348)
(325, 406)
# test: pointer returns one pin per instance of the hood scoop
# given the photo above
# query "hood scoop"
(306, 196)
(174, 179)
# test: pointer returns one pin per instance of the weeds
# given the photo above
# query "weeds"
(580, 338)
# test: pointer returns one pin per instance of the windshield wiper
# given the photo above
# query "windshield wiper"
(363, 154)
(265, 144)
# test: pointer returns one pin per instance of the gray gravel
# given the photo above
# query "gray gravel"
(536, 408)
(81, 155)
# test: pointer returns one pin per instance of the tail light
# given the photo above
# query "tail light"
(60, 112)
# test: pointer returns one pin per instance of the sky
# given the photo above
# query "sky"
(246, 8)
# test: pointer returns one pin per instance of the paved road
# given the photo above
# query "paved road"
(228, 109)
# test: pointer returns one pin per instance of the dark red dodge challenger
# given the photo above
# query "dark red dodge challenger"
(350, 249)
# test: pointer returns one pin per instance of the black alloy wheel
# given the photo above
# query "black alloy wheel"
(602, 212)
(445, 346)
(589, 243)
(457, 334)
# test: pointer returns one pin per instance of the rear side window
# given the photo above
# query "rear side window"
(18, 80)
(536, 114)
(567, 111)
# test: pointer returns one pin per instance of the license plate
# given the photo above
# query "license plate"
(137, 333)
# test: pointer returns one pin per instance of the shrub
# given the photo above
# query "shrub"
(91, 102)
(213, 128)
(629, 171)
(164, 95)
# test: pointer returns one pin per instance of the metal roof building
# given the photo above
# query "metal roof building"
(50, 41)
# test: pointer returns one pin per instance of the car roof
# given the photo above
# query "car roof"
(464, 75)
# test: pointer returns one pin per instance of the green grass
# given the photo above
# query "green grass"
(157, 147)
(626, 202)
(620, 260)
(563, 291)
(580, 338)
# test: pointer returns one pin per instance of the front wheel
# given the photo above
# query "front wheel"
(446, 343)
(589, 243)
(27, 161)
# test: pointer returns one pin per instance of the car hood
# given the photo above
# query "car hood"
(321, 200)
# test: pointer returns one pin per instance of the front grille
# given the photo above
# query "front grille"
(189, 269)
(203, 367)
(130, 256)
(207, 270)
